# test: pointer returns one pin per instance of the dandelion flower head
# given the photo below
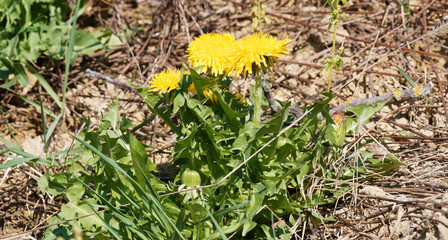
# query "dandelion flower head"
(417, 90)
(397, 94)
(208, 93)
(338, 118)
(165, 81)
(258, 51)
(215, 51)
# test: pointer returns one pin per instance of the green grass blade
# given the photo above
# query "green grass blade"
(45, 85)
(15, 162)
(406, 8)
(21, 160)
(102, 156)
(37, 106)
(148, 199)
(144, 123)
(406, 76)
(10, 131)
(69, 53)
(152, 199)
(44, 125)
(198, 229)
(8, 143)
(69, 151)
(52, 127)
(227, 210)
(117, 213)
(109, 227)
(223, 236)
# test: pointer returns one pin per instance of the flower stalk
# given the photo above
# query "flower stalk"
(258, 98)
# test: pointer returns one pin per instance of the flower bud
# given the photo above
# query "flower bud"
(340, 129)
(191, 178)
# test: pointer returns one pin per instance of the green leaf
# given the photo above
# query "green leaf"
(201, 83)
(363, 114)
(248, 226)
(71, 210)
(75, 192)
(42, 183)
(107, 225)
(179, 101)
(318, 218)
(154, 101)
(113, 115)
(125, 123)
(223, 236)
(273, 127)
(20, 74)
(384, 166)
(86, 43)
(255, 204)
(227, 210)
(102, 156)
(142, 165)
(8, 63)
(230, 113)
(125, 220)
(27, 158)
(406, 76)
(52, 127)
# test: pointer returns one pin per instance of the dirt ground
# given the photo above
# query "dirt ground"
(378, 37)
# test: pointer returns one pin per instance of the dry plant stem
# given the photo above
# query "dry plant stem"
(126, 68)
(425, 31)
(333, 54)
(392, 112)
(267, 94)
(405, 95)
(354, 38)
(320, 66)
(93, 74)
(440, 90)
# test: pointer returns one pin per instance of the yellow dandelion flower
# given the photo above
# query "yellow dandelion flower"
(165, 81)
(239, 96)
(338, 117)
(214, 51)
(209, 94)
(192, 89)
(397, 94)
(346, 102)
(417, 90)
(258, 51)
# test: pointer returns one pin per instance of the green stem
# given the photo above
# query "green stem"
(69, 53)
(258, 98)
(332, 57)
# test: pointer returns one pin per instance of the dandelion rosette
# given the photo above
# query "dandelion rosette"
(258, 51)
(165, 81)
(213, 50)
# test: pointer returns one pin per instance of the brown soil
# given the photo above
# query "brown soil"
(412, 203)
